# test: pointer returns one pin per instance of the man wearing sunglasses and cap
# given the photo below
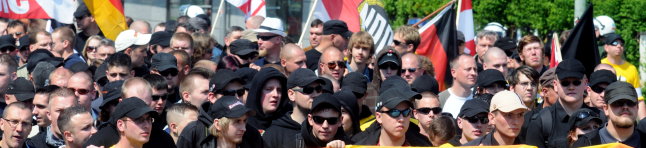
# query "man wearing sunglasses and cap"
(472, 120)
(393, 112)
(550, 126)
(270, 41)
(323, 127)
(506, 113)
(335, 34)
(621, 110)
(226, 83)
(303, 86)
(133, 119)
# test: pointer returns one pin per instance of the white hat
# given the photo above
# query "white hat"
(130, 37)
(272, 25)
(194, 10)
(506, 101)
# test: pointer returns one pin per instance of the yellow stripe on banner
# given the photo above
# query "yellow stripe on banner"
(610, 145)
(108, 17)
(507, 146)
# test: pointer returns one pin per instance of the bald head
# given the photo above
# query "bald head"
(335, 56)
(292, 57)
(59, 77)
(137, 87)
(207, 64)
(141, 27)
(605, 67)
(291, 50)
(79, 82)
(495, 58)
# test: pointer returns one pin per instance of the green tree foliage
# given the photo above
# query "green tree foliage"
(544, 16)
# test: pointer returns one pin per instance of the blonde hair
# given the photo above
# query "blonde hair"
(87, 42)
(223, 123)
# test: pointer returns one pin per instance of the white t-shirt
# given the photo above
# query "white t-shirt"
(454, 103)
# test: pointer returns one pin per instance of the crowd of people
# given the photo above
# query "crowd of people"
(173, 85)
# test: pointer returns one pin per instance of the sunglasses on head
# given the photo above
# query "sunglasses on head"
(238, 92)
(395, 112)
(389, 65)
(411, 70)
(80, 91)
(426, 110)
(598, 89)
(321, 120)
(396, 42)
(567, 83)
(264, 38)
(118, 74)
(475, 119)
(334, 64)
(309, 89)
(622, 103)
(615, 43)
(170, 72)
(157, 97)
(583, 115)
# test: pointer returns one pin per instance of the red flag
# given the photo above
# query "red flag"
(465, 24)
(439, 44)
(61, 11)
(250, 7)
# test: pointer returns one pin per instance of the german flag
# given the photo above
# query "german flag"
(109, 15)
(439, 44)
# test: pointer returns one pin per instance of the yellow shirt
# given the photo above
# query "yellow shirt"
(628, 73)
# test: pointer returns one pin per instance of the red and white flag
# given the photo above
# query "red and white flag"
(60, 10)
(465, 24)
(250, 7)
(366, 15)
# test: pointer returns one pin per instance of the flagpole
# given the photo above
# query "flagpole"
(217, 16)
(457, 11)
(309, 19)
(434, 12)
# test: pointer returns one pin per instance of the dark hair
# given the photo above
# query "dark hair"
(316, 22)
(46, 89)
(16, 23)
(443, 127)
(228, 62)
(32, 36)
(119, 59)
(66, 116)
(156, 81)
(203, 71)
(525, 70)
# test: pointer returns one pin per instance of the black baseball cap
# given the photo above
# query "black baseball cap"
(570, 68)
(392, 82)
(42, 55)
(391, 56)
(506, 44)
(489, 77)
(246, 74)
(81, 11)
(473, 107)
(133, 108)
(161, 38)
(22, 88)
(602, 76)
(99, 74)
(230, 107)
(611, 37)
(425, 83)
(583, 116)
(221, 78)
(392, 97)
(619, 91)
(326, 101)
(242, 47)
(336, 27)
(303, 77)
(355, 82)
(163, 61)
(327, 86)
(111, 92)
(7, 41)
(23, 43)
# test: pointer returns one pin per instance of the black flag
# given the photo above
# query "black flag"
(582, 43)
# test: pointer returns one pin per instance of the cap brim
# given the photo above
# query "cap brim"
(621, 97)
(347, 35)
(140, 112)
(392, 104)
(490, 82)
(357, 89)
(587, 120)
(143, 39)
(108, 100)
(508, 109)
(239, 111)
(24, 96)
(245, 52)
(388, 60)
(577, 75)
(277, 32)
(166, 67)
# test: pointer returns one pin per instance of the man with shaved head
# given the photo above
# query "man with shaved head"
(495, 58)
(140, 26)
(59, 77)
(292, 57)
(331, 63)
(81, 84)
(137, 87)
(60, 99)
(603, 66)
(411, 67)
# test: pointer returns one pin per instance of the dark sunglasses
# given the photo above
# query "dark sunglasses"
(92, 48)
(358, 95)
(118, 74)
(597, 89)
(7, 49)
(426, 110)
(157, 97)
(615, 43)
(389, 65)
(396, 42)
(395, 112)
(238, 92)
(621, 103)
(80, 91)
(264, 38)
(334, 64)
(321, 120)
(567, 83)
(309, 89)
(411, 70)
(475, 119)
(170, 72)
(248, 56)
(18, 33)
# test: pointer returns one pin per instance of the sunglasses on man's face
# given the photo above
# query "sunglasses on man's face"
(598, 89)
(476, 119)
(321, 120)
(411, 70)
(334, 64)
(118, 74)
(427, 110)
(396, 113)
(309, 89)
(238, 92)
(397, 43)
(169, 72)
(80, 91)
(265, 38)
(157, 97)
(616, 43)
(565, 83)
(622, 103)
(91, 48)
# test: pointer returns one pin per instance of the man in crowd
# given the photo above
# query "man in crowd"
(332, 64)
(41, 103)
(182, 41)
(406, 40)
(60, 99)
(62, 46)
(473, 120)
(495, 58)
(411, 67)
(133, 120)
(226, 83)
(270, 41)
(292, 58)
(86, 22)
(81, 84)
(524, 81)
(178, 116)
(194, 89)
(335, 33)
(245, 51)
(599, 81)
(316, 32)
(165, 65)
(484, 41)
(463, 70)
(76, 126)
(506, 114)
(16, 125)
(119, 67)
(134, 45)
(428, 107)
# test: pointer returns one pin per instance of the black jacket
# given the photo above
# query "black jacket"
(371, 136)
(305, 138)
(282, 132)
(254, 100)
(39, 141)
(108, 135)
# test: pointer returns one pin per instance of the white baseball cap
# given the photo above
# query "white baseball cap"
(506, 101)
(272, 25)
(130, 37)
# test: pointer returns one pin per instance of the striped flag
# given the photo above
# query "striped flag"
(62, 11)
(250, 7)
(555, 47)
(465, 24)
(439, 44)
(109, 15)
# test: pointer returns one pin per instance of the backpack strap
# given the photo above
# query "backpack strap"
(546, 122)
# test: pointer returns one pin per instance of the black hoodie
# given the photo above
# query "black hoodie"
(282, 132)
(305, 139)
(196, 134)
(262, 120)
(371, 136)
(349, 103)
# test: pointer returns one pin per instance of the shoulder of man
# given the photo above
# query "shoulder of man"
(189, 136)
(444, 95)
(37, 141)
